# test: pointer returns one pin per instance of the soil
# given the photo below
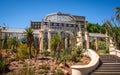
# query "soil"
(65, 67)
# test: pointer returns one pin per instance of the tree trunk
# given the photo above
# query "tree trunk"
(30, 56)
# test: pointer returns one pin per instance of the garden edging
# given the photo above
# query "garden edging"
(85, 69)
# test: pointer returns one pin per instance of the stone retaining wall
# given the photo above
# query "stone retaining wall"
(85, 69)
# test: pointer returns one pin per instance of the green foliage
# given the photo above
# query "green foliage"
(3, 65)
(117, 13)
(52, 54)
(71, 55)
(64, 57)
(74, 55)
(23, 40)
(5, 44)
(13, 43)
(59, 72)
(30, 39)
(113, 30)
(46, 53)
(101, 44)
(56, 45)
(107, 50)
(95, 28)
(55, 41)
(79, 50)
(23, 51)
(0, 42)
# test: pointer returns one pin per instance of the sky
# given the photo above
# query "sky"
(19, 13)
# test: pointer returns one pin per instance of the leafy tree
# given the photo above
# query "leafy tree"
(95, 28)
(113, 30)
(30, 39)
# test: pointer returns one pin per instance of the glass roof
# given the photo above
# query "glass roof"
(18, 30)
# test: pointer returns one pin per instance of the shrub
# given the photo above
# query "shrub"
(79, 50)
(59, 72)
(23, 51)
(107, 50)
(52, 54)
(3, 65)
(64, 57)
(46, 53)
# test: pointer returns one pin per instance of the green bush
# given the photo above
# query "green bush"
(107, 50)
(3, 65)
(79, 50)
(52, 54)
(59, 72)
(71, 55)
(64, 57)
(74, 55)
(46, 53)
(23, 51)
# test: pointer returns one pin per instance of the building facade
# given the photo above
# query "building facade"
(65, 24)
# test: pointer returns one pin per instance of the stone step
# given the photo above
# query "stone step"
(108, 65)
(109, 68)
(106, 73)
(110, 61)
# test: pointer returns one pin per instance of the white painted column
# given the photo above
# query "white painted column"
(41, 36)
(87, 40)
(49, 36)
(96, 43)
(66, 42)
(106, 39)
(79, 37)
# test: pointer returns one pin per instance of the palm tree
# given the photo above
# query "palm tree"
(117, 13)
(30, 39)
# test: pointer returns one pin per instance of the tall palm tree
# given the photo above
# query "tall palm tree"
(117, 13)
(30, 39)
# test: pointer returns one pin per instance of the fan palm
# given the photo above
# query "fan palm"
(117, 13)
(30, 39)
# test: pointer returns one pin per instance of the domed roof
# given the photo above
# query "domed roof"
(59, 17)
(64, 17)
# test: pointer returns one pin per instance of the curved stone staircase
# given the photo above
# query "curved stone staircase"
(110, 65)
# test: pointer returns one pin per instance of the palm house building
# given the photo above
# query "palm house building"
(70, 27)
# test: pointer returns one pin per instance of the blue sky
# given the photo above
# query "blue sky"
(19, 13)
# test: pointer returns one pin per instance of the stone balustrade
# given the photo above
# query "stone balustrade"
(85, 69)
